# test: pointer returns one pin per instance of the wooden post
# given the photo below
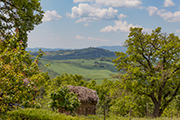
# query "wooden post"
(171, 115)
(105, 108)
(104, 111)
(147, 110)
(130, 114)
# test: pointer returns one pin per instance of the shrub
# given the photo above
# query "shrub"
(39, 114)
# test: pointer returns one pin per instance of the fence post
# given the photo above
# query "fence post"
(130, 114)
(147, 111)
(171, 115)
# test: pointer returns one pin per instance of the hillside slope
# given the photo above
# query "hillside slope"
(97, 69)
(87, 53)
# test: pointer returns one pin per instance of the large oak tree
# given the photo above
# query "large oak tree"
(151, 66)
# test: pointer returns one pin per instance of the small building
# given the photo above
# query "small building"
(88, 98)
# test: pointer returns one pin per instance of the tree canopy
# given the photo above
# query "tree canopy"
(19, 16)
(151, 66)
(16, 68)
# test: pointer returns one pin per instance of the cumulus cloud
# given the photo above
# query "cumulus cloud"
(89, 13)
(166, 15)
(169, 16)
(168, 3)
(152, 10)
(114, 3)
(85, 25)
(119, 3)
(121, 26)
(79, 37)
(51, 16)
(178, 31)
(98, 39)
(91, 38)
(77, 1)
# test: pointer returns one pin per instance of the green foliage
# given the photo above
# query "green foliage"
(173, 109)
(39, 114)
(16, 64)
(30, 104)
(105, 96)
(65, 79)
(21, 15)
(63, 99)
(151, 66)
(121, 106)
(42, 79)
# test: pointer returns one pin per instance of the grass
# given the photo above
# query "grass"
(43, 114)
(89, 69)
(37, 114)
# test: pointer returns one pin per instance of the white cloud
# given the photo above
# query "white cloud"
(121, 26)
(79, 37)
(114, 3)
(89, 13)
(119, 3)
(166, 15)
(152, 10)
(85, 25)
(98, 39)
(77, 1)
(91, 38)
(178, 31)
(168, 3)
(51, 16)
(169, 16)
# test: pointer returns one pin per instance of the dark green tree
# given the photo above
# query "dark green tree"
(151, 66)
(19, 16)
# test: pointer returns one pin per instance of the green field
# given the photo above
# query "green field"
(88, 68)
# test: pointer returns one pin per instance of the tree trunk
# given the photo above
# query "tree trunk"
(157, 112)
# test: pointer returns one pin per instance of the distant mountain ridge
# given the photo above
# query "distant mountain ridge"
(114, 48)
(110, 48)
(87, 53)
(44, 49)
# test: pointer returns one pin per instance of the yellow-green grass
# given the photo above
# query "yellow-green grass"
(89, 69)
(142, 118)
(44, 114)
(37, 114)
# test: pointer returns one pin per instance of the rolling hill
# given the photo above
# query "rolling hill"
(110, 48)
(97, 69)
(91, 63)
(87, 53)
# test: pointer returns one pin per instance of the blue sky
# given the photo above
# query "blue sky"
(79, 24)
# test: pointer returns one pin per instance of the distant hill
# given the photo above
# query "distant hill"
(114, 48)
(110, 48)
(87, 53)
(44, 49)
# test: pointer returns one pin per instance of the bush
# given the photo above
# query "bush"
(39, 114)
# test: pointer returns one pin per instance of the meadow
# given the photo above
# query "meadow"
(96, 69)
